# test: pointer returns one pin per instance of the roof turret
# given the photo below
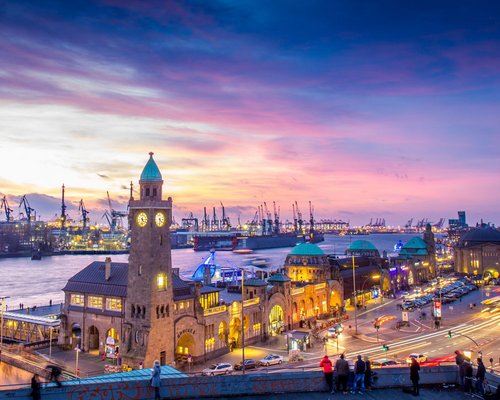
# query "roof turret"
(307, 249)
(151, 172)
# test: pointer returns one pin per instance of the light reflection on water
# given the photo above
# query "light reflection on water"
(10, 375)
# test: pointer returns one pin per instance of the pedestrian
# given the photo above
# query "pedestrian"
(414, 375)
(50, 302)
(35, 387)
(368, 373)
(468, 376)
(480, 376)
(155, 379)
(141, 365)
(342, 368)
(359, 375)
(459, 360)
(326, 364)
(55, 373)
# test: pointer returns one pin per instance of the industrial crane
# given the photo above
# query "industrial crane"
(299, 218)
(295, 227)
(6, 208)
(268, 222)
(190, 221)
(311, 219)
(27, 208)
(225, 223)
(276, 219)
(215, 221)
(63, 210)
(206, 220)
(115, 215)
(84, 212)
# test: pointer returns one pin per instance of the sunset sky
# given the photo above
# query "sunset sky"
(367, 108)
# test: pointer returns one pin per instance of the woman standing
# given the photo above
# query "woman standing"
(156, 380)
(368, 374)
(35, 387)
(414, 375)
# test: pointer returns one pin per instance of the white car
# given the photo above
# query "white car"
(271, 359)
(218, 369)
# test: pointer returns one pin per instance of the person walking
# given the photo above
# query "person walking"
(480, 376)
(342, 368)
(155, 379)
(326, 365)
(415, 376)
(35, 387)
(468, 376)
(359, 375)
(368, 374)
(55, 373)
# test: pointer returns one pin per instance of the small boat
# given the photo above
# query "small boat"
(243, 251)
(36, 255)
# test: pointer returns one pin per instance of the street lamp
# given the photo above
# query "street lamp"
(354, 295)
(1, 321)
(77, 349)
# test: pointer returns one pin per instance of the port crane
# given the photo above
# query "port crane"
(115, 215)
(268, 222)
(295, 227)
(439, 224)
(206, 220)
(63, 210)
(311, 219)
(27, 208)
(300, 221)
(276, 219)
(6, 208)
(409, 223)
(189, 222)
(225, 223)
(84, 213)
(215, 221)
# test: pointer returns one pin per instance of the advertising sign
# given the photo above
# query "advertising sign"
(437, 309)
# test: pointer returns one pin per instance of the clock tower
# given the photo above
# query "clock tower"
(148, 332)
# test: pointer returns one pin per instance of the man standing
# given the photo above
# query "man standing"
(359, 375)
(326, 364)
(342, 368)
(480, 376)
(459, 359)
(468, 376)
(415, 376)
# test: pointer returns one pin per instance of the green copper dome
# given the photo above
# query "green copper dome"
(360, 245)
(151, 172)
(307, 249)
(415, 243)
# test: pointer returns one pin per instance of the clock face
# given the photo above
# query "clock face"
(160, 219)
(142, 219)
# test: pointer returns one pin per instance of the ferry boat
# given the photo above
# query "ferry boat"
(221, 276)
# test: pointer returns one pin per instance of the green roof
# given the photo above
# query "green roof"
(151, 172)
(415, 243)
(254, 282)
(307, 249)
(359, 245)
(278, 278)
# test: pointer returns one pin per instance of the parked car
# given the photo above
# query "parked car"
(218, 369)
(271, 359)
(249, 364)
(418, 356)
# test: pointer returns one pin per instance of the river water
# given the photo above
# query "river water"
(37, 282)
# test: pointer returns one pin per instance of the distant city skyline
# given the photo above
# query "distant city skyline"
(383, 110)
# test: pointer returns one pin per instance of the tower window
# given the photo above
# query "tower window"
(147, 192)
(139, 270)
(155, 192)
(161, 281)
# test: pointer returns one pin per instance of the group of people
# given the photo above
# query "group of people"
(361, 378)
(466, 374)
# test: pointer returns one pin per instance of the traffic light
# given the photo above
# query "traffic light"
(385, 347)
(449, 334)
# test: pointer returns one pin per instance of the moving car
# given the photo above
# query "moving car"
(271, 359)
(218, 369)
(417, 356)
(383, 362)
(249, 364)
(332, 333)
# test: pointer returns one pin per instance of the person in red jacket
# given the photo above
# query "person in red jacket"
(326, 364)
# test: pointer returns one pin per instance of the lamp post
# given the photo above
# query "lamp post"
(77, 373)
(50, 343)
(354, 295)
(1, 321)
